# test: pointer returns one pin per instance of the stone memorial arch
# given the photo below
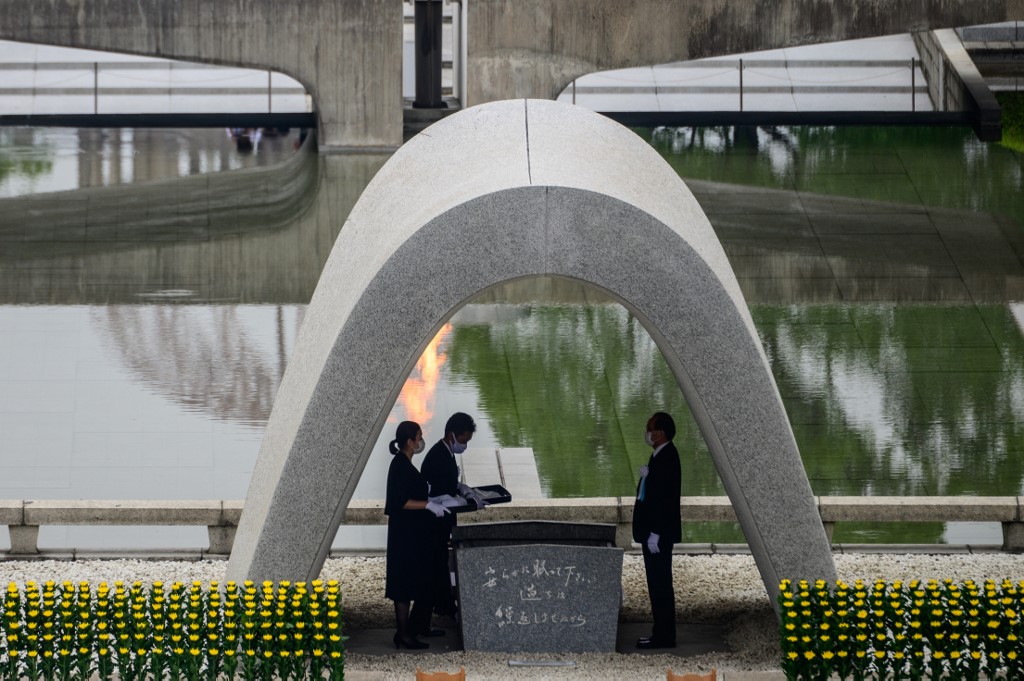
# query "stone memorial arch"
(498, 192)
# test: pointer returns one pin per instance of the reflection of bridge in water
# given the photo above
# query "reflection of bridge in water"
(262, 236)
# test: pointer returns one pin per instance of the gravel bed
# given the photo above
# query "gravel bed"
(725, 590)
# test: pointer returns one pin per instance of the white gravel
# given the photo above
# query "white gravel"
(718, 589)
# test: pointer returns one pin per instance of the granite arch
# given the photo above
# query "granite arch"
(526, 188)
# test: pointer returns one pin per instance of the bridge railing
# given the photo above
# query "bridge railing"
(152, 86)
(901, 80)
(24, 517)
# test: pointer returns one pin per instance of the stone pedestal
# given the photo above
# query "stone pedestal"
(529, 597)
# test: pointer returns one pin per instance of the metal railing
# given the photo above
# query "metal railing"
(151, 79)
(713, 68)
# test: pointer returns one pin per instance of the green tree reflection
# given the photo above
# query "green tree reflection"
(21, 155)
(884, 399)
(941, 167)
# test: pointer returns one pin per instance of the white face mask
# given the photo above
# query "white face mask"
(458, 447)
(419, 447)
(648, 439)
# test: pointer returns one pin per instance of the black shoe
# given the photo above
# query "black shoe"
(431, 633)
(410, 643)
(651, 644)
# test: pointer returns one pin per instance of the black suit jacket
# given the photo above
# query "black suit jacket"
(440, 470)
(659, 511)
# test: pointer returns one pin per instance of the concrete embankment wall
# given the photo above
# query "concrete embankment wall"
(933, 65)
(954, 83)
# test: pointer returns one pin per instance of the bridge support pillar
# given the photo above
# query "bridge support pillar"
(428, 55)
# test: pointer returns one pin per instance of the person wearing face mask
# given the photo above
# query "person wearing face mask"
(657, 526)
(442, 472)
(412, 523)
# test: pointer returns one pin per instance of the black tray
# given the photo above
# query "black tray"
(493, 494)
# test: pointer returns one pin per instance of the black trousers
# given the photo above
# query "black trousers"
(658, 567)
(443, 598)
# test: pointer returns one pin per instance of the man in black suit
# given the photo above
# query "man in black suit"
(657, 526)
(442, 472)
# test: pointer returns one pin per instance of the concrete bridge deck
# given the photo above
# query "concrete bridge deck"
(531, 48)
(874, 81)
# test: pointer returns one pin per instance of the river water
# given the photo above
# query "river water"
(149, 302)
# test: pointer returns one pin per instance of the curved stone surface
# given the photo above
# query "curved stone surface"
(499, 192)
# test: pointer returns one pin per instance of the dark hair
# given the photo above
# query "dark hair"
(665, 424)
(460, 423)
(407, 430)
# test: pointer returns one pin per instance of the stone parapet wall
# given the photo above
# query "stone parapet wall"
(221, 517)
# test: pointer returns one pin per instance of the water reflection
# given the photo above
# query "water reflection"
(22, 159)
(207, 359)
(420, 389)
(893, 399)
(259, 235)
(144, 327)
(935, 167)
(884, 399)
(38, 160)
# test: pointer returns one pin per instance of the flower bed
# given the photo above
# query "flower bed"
(902, 630)
(70, 631)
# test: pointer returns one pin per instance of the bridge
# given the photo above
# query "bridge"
(348, 53)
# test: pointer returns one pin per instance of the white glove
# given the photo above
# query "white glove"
(471, 494)
(652, 543)
(644, 470)
(437, 509)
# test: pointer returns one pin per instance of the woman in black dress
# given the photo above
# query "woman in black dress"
(412, 520)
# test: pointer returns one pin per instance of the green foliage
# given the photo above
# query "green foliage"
(901, 631)
(884, 399)
(67, 631)
(1012, 105)
(22, 155)
(928, 166)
